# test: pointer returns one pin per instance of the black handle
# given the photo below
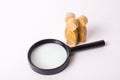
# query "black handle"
(89, 45)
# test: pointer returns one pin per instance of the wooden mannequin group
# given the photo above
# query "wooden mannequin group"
(75, 30)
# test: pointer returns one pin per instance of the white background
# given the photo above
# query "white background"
(23, 22)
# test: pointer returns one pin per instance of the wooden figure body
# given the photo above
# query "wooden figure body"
(82, 30)
(71, 31)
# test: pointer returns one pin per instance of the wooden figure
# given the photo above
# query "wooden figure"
(71, 31)
(75, 30)
(82, 30)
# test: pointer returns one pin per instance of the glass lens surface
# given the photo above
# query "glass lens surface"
(49, 56)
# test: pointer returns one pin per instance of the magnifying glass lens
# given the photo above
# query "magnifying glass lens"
(49, 56)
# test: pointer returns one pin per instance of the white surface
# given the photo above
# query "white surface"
(49, 56)
(23, 22)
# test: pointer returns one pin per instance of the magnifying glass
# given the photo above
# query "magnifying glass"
(51, 56)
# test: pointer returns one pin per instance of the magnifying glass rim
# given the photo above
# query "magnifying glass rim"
(52, 70)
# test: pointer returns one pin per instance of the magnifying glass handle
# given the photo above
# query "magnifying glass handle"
(88, 45)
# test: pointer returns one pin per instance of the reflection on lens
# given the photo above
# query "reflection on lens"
(49, 56)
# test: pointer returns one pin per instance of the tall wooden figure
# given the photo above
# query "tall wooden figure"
(71, 31)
